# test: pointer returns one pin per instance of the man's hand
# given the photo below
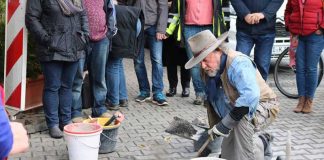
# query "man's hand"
(20, 138)
(248, 19)
(217, 131)
(160, 36)
(256, 17)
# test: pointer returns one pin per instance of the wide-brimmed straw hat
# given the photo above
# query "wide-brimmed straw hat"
(202, 44)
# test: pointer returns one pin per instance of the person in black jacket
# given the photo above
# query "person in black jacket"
(61, 31)
(255, 25)
(174, 55)
(195, 16)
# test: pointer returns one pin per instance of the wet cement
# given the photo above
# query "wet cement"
(181, 127)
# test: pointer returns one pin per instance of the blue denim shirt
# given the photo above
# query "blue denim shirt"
(242, 76)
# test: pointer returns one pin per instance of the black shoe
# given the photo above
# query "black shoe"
(185, 92)
(172, 92)
(110, 106)
(123, 103)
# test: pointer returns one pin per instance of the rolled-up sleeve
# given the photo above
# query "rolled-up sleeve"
(242, 75)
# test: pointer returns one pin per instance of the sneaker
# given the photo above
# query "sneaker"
(199, 100)
(142, 97)
(159, 99)
(77, 119)
(123, 103)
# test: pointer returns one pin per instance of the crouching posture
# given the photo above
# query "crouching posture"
(241, 104)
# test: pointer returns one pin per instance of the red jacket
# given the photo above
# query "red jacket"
(304, 18)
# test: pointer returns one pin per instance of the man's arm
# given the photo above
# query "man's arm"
(240, 8)
(242, 75)
(270, 11)
(162, 18)
(33, 15)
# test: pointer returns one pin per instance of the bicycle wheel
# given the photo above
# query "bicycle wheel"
(285, 76)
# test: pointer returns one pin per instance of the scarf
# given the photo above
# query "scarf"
(70, 7)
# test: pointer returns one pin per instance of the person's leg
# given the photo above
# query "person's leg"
(313, 49)
(69, 70)
(185, 81)
(123, 98)
(198, 84)
(98, 60)
(113, 82)
(262, 53)
(173, 79)
(301, 67)
(76, 91)
(52, 83)
(244, 43)
(155, 47)
(141, 74)
(240, 143)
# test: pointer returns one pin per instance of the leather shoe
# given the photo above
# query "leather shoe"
(185, 92)
(172, 92)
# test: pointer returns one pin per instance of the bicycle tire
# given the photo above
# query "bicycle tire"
(285, 76)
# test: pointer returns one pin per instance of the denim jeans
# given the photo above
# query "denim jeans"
(97, 72)
(76, 90)
(57, 94)
(155, 47)
(198, 84)
(262, 50)
(307, 56)
(116, 84)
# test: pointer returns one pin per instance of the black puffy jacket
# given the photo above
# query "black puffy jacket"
(60, 37)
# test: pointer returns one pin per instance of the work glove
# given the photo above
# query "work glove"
(218, 130)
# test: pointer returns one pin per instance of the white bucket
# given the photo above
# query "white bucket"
(83, 140)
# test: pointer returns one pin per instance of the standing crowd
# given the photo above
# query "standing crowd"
(78, 35)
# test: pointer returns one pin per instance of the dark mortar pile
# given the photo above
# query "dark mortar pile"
(181, 127)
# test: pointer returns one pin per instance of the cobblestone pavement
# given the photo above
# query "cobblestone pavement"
(142, 136)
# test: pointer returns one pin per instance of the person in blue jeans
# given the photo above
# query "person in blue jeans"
(76, 112)
(156, 14)
(255, 25)
(309, 27)
(61, 34)
(116, 84)
(102, 26)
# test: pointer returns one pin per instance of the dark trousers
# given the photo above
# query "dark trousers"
(173, 76)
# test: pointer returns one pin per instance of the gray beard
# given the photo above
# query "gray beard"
(212, 73)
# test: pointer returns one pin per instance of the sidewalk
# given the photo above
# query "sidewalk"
(142, 135)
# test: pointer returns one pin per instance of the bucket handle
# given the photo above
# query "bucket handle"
(93, 147)
(114, 140)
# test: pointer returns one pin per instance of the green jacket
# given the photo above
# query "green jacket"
(178, 7)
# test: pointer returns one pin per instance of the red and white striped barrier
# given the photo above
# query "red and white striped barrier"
(15, 55)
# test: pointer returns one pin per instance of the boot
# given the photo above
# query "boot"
(308, 105)
(300, 105)
(172, 92)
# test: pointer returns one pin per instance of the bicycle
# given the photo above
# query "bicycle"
(285, 75)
